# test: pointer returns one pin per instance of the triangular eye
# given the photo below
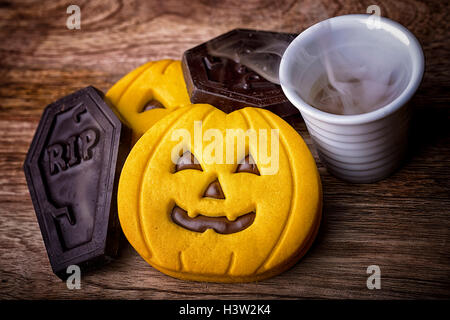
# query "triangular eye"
(248, 165)
(187, 161)
(152, 104)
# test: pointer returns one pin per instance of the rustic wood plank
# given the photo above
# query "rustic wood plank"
(401, 224)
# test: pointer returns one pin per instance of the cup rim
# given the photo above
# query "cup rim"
(414, 81)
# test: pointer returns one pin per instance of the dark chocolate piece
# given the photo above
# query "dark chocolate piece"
(72, 169)
(228, 85)
(219, 224)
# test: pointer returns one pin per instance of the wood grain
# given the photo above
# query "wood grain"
(400, 224)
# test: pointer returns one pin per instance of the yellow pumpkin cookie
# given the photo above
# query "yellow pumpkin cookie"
(147, 94)
(197, 205)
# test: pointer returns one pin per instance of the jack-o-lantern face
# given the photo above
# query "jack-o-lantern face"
(147, 94)
(231, 221)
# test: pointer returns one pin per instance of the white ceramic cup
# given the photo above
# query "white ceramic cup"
(365, 147)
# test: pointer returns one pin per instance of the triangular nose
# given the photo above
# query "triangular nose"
(214, 190)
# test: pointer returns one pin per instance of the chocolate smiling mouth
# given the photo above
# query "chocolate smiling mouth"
(219, 224)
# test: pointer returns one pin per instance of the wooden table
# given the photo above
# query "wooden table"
(401, 224)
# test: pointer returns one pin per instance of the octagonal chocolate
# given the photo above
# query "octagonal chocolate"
(228, 85)
(72, 169)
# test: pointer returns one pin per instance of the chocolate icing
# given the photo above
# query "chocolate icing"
(214, 190)
(187, 161)
(152, 104)
(219, 224)
(248, 165)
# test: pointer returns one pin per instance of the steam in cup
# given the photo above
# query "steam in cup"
(338, 75)
(356, 77)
